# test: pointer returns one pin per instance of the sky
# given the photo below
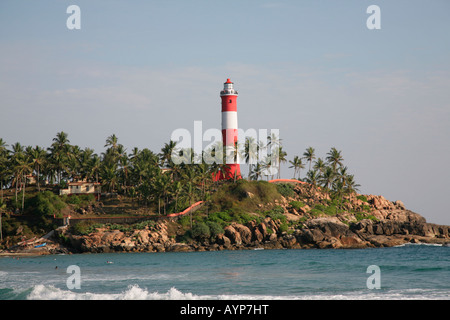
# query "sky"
(311, 69)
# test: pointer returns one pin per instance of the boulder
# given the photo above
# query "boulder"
(257, 235)
(179, 247)
(223, 240)
(244, 232)
(233, 235)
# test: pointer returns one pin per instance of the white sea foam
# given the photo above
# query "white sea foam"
(134, 292)
(419, 244)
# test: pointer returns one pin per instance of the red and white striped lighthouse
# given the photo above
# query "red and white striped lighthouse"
(230, 130)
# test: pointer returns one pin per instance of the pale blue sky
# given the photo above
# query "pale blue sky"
(141, 69)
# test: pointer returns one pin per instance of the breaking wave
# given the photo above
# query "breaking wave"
(134, 292)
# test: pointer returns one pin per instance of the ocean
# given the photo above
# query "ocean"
(406, 272)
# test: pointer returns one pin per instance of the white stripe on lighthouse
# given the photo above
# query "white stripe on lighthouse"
(229, 120)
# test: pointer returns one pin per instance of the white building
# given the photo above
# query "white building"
(83, 187)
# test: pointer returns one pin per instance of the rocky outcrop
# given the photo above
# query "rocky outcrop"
(385, 224)
(325, 232)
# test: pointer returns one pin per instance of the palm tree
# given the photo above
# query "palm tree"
(60, 152)
(190, 180)
(4, 165)
(23, 166)
(319, 165)
(327, 178)
(95, 165)
(124, 163)
(177, 188)
(112, 142)
(161, 186)
(281, 159)
(109, 176)
(85, 163)
(16, 154)
(268, 167)
(351, 185)
(334, 157)
(251, 149)
(297, 165)
(2, 207)
(61, 140)
(309, 155)
(257, 171)
(312, 177)
(38, 157)
(166, 153)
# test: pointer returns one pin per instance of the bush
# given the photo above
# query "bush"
(297, 204)
(246, 195)
(200, 230)
(214, 228)
(362, 198)
(285, 189)
(73, 200)
(47, 203)
(221, 218)
(276, 213)
(84, 227)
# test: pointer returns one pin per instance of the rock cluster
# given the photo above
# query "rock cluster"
(327, 232)
(389, 224)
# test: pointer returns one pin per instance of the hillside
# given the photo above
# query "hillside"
(250, 215)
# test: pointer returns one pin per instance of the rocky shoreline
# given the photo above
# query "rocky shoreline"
(390, 224)
(318, 233)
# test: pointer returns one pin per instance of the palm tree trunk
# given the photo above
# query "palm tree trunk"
(38, 185)
(23, 192)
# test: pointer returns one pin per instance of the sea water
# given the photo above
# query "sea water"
(405, 272)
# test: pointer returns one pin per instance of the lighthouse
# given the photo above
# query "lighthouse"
(230, 131)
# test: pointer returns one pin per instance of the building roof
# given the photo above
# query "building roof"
(80, 183)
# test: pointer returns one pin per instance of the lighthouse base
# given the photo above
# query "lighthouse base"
(230, 172)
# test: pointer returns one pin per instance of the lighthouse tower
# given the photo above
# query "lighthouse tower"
(230, 130)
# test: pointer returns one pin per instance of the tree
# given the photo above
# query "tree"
(251, 149)
(334, 158)
(60, 152)
(257, 171)
(190, 180)
(4, 165)
(326, 178)
(38, 156)
(95, 165)
(112, 142)
(109, 176)
(161, 188)
(176, 190)
(297, 165)
(312, 177)
(166, 153)
(281, 159)
(320, 165)
(16, 154)
(309, 155)
(2, 208)
(23, 166)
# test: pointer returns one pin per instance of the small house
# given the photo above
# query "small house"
(83, 187)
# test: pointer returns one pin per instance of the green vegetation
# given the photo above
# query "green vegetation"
(156, 182)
